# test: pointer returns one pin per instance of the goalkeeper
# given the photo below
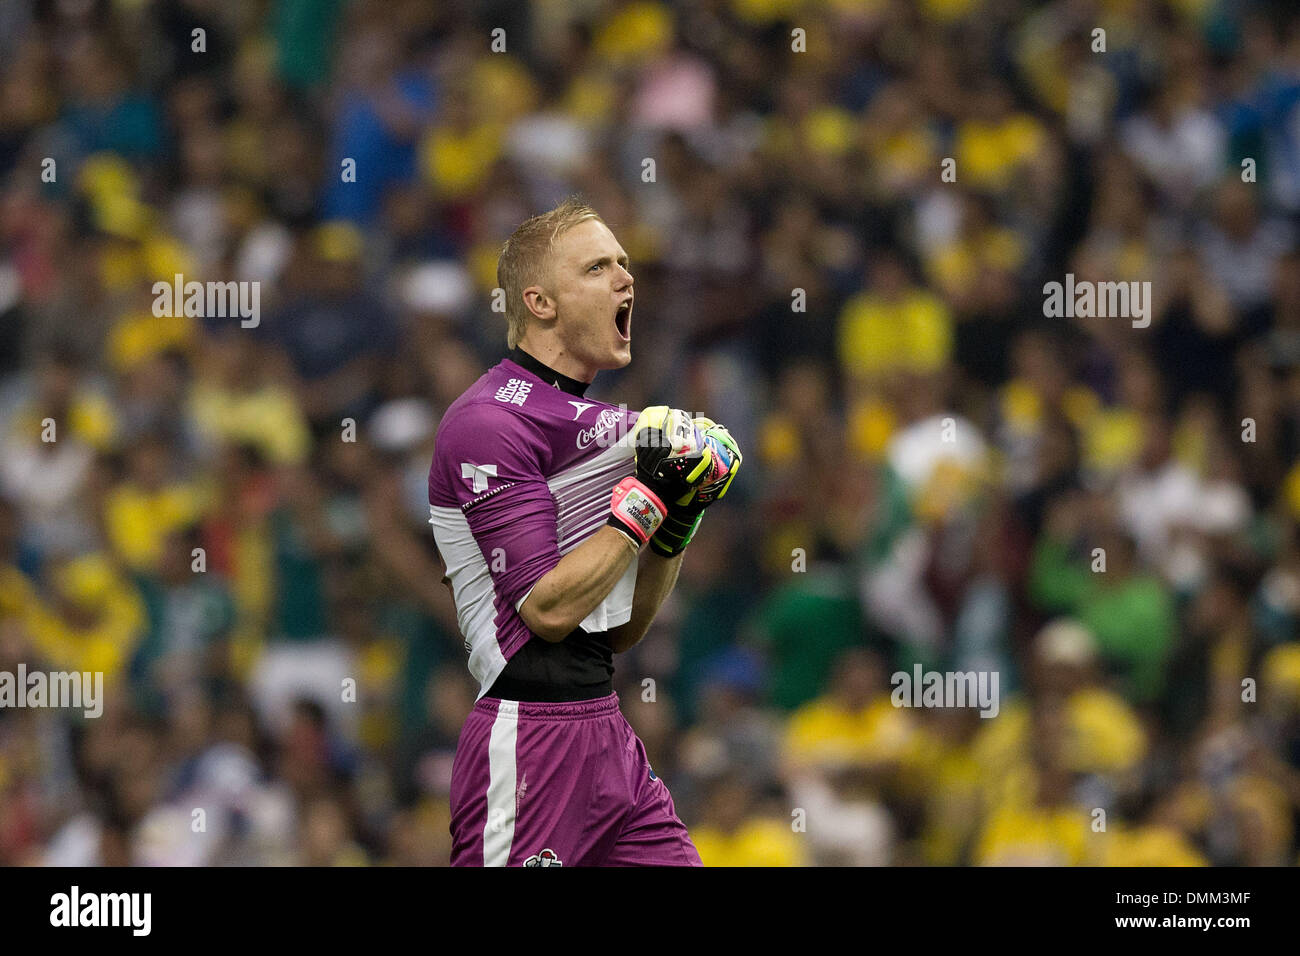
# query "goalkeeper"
(562, 521)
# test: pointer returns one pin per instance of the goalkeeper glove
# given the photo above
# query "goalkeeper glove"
(683, 519)
(671, 457)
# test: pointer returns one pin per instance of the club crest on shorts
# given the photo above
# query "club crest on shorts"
(546, 858)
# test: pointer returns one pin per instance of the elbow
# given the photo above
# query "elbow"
(552, 632)
(547, 623)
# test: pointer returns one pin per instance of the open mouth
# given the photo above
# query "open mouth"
(623, 320)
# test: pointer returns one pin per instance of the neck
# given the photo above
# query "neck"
(524, 358)
(554, 356)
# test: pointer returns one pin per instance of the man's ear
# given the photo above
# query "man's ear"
(538, 303)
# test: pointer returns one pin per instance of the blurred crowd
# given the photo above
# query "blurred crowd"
(228, 519)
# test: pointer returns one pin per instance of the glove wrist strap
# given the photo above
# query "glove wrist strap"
(636, 510)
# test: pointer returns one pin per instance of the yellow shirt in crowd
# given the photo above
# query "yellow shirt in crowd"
(758, 842)
(138, 521)
(877, 335)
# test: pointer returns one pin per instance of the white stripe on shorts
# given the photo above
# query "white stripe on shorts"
(499, 833)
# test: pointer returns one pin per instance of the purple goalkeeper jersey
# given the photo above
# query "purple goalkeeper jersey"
(522, 473)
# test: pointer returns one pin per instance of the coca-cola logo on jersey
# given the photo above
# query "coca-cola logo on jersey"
(607, 419)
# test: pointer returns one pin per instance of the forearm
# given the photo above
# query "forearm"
(566, 594)
(655, 579)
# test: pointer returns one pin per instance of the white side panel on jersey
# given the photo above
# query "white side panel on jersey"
(499, 831)
(471, 586)
(582, 494)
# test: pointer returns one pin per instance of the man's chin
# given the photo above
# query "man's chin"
(620, 357)
(616, 358)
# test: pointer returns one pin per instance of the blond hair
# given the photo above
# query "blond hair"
(525, 258)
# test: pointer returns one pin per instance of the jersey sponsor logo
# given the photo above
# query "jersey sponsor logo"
(579, 407)
(486, 495)
(477, 475)
(607, 419)
(514, 392)
(547, 857)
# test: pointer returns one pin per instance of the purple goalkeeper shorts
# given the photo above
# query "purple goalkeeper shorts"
(545, 784)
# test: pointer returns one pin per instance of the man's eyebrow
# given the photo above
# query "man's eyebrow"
(603, 260)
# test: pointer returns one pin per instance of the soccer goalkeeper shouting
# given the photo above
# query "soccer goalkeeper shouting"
(562, 521)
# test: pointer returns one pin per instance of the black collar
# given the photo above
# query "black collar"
(547, 374)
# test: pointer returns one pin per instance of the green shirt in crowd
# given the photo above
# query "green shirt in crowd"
(1132, 618)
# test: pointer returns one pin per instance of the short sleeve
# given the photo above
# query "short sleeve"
(490, 463)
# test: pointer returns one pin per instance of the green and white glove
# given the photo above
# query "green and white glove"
(684, 512)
